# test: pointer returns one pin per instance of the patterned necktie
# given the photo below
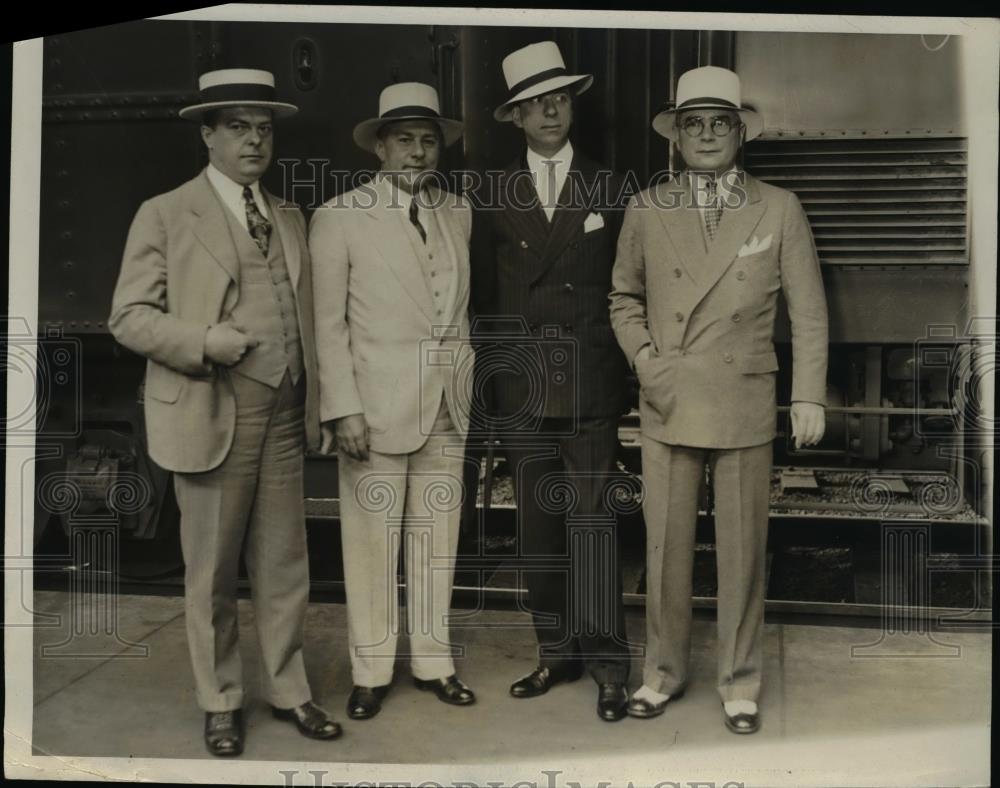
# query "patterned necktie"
(259, 227)
(415, 220)
(713, 211)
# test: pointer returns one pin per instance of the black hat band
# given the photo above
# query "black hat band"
(250, 93)
(536, 79)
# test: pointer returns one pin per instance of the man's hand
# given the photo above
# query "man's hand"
(351, 433)
(808, 423)
(227, 343)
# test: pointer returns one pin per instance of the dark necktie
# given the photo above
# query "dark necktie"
(713, 211)
(415, 220)
(259, 227)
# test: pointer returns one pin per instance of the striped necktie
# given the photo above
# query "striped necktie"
(259, 227)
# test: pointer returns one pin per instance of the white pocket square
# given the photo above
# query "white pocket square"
(755, 245)
(594, 221)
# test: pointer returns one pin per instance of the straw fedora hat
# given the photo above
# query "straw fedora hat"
(406, 101)
(708, 87)
(237, 87)
(534, 70)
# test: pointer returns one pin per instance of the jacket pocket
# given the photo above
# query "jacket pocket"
(162, 383)
(759, 363)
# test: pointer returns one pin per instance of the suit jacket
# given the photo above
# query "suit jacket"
(547, 346)
(180, 274)
(709, 314)
(383, 351)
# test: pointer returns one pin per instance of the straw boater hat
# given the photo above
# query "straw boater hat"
(534, 70)
(708, 87)
(406, 101)
(237, 87)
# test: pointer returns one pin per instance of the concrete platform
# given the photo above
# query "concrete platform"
(840, 705)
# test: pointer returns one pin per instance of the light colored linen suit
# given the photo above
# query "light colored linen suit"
(707, 394)
(396, 349)
(235, 442)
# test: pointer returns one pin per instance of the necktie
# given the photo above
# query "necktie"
(713, 211)
(259, 227)
(549, 200)
(415, 221)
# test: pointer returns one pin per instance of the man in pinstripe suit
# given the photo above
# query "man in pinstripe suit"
(542, 265)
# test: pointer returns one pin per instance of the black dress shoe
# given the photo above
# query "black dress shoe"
(311, 721)
(449, 690)
(612, 700)
(224, 732)
(644, 709)
(541, 680)
(365, 702)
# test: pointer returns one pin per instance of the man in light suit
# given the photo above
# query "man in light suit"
(215, 291)
(391, 285)
(700, 263)
(543, 262)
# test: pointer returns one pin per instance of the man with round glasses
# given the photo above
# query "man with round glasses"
(700, 263)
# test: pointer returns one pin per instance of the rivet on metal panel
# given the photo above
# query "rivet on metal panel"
(70, 294)
(68, 264)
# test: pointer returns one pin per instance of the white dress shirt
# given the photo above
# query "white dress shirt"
(231, 194)
(547, 186)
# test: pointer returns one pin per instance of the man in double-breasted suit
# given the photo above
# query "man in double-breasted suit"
(391, 282)
(542, 274)
(215, 291)
(701, 261)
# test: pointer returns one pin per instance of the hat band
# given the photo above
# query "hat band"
(708, 101)
(535, 79)
(409, 111)
(250, 93)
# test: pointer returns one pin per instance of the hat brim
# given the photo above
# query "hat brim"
(366, 132)
(279, 109)
(665, 123)
(506, 110)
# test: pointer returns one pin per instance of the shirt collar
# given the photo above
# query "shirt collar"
(562, 158)
(229, 189)
(729, 178)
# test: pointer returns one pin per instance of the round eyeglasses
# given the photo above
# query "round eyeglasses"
(721, 125)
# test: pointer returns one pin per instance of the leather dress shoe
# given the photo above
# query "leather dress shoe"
(612, 700)
(311, 721)
(742, 723)
(644, 709)
(365, 702)
(224, 732)
(541, 680)
(448, 690)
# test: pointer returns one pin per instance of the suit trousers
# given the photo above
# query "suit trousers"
(385, 502)
(254, 500)
(568, 543)
(741, 484)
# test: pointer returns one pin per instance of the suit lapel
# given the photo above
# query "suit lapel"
(570, 213)
(398, 249)
(682, 223)
(211, 227)
(525, 213)
(450, 234)
(734, 229)
(290, 243)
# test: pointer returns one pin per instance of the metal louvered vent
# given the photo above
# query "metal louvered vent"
(874, 201)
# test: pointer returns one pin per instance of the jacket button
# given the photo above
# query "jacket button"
(741, 275)
(568, 287)
(677, 272)
(568, 328)
(736, 317)
(532, 326)
(680, 317)
(728, 358)
(524, 244)
(574, 245)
